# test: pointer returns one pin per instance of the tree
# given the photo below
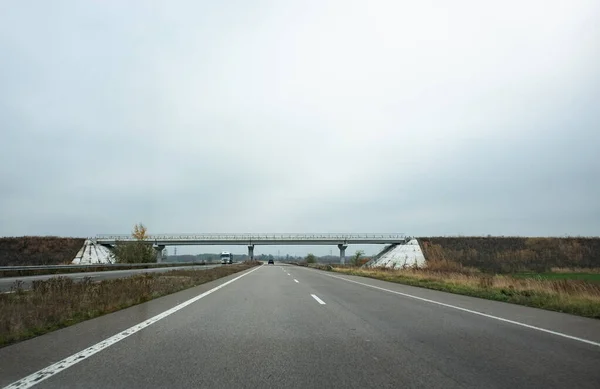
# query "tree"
(137, 251)
(310, 258)
(139, 232)
(355, 260)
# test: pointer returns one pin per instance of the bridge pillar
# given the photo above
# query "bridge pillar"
(251, 252)
(159, 251)
(342, 248)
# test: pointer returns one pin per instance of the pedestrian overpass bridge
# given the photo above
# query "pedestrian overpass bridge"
(342, 240)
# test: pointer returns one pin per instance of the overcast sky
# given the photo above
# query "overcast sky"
(423, 117)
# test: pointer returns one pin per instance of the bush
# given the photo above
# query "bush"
(134, 252)
(138, 251)
(356, 258)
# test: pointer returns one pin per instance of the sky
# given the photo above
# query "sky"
(426, 118)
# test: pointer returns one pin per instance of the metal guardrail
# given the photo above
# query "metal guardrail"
(52, 267)
(258, 237)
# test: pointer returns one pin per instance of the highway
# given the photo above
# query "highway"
(279, 326)
(7, 282)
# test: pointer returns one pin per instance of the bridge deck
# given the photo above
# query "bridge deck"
(261, 239)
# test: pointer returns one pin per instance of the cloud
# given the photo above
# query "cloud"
(422, 118)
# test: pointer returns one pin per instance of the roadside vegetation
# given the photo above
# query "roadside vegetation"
(562, 292)
(60, 302)
(504, 255)
(38, 250)
(358, 259)
(585, 275)
(137, 251)
(560, 274)
(310, 258)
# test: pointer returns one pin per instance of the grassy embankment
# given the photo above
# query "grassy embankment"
(564, 295)
(61, 302)
(38, 250)
(559, 274)
(589, 275)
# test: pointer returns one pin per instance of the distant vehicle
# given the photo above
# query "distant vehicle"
(271, 262)
(226, 257)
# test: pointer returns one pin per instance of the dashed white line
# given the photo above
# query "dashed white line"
(318, 299)
(59, 366)
(295, 280)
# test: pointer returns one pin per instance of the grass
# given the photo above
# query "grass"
(574, 296)
(589, 277)
(60, 302)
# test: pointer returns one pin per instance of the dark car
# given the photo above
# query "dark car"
(271, 262)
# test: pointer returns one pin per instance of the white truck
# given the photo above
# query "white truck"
(226, 257)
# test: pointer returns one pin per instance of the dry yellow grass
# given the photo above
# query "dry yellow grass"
(575, 270)
(573, 296)
(559, 287)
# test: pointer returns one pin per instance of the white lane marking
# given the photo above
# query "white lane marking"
(41, 375)
(473, 312)
(318, 299)
(295, 280)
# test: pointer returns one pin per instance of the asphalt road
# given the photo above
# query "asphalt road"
(7, 283)
(291, 327)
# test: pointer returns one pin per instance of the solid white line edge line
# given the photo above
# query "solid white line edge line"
(41, 375)
(473, 312)
(318, 299)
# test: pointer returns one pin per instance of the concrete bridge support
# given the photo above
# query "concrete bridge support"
(108, 246)
(342, 248)
(159, 251)
(251, 252)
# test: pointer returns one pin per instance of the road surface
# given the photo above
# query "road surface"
(6, 283)
(278, 326)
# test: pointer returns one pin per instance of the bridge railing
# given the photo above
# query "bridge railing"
(258, 237)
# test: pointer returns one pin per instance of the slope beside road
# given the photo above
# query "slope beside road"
(6, 283)
(290, 327)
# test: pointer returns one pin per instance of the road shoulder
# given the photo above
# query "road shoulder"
(568, 324)
(26, 357)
